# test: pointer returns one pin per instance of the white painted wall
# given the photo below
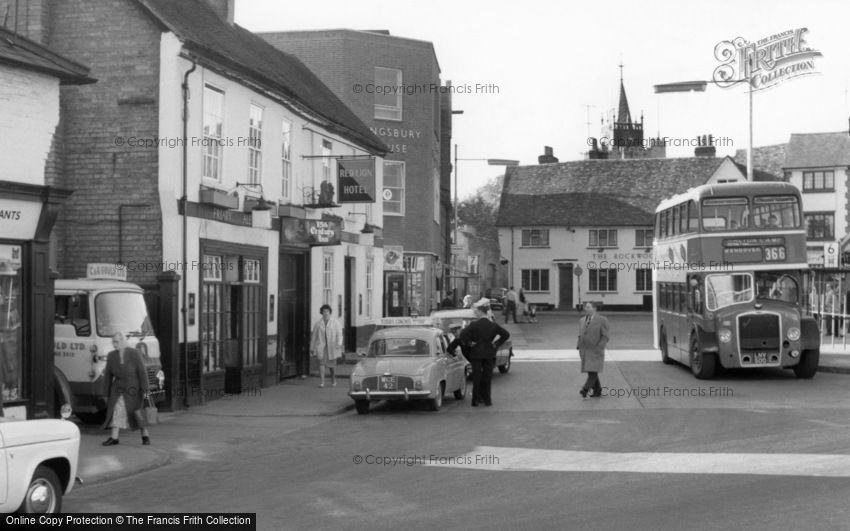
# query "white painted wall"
(29, 114)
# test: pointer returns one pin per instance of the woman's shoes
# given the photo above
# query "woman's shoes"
(110, 442)
(146, 440)
(583, 392)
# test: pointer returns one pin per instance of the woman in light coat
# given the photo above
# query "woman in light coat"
(326, 343)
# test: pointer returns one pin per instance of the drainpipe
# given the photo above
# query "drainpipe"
(184, 203)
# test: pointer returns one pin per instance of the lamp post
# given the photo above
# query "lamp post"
(699, 86)
(490, 162)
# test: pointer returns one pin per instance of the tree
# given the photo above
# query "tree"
(481, 210)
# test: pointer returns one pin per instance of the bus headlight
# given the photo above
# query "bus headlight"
(725, 335)
(793, 333)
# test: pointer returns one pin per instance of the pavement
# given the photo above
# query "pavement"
(292, 398)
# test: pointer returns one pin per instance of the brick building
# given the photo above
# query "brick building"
(30, 80)
(190, 160)
(393, 84)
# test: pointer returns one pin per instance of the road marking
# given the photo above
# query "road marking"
(572, 355)
(492, 458)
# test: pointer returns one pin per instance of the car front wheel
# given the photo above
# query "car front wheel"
(362, 406)
(503, 369)
(44, 493)
(437, 402)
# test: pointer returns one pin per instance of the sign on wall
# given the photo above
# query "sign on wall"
(314, 232)
(356, 180)
(393, 258)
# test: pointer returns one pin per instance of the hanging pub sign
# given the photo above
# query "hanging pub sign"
(356, 180)
(314, 232)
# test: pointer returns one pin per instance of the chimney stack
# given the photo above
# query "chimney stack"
(547, 157)
(223, 8)
(706, 147)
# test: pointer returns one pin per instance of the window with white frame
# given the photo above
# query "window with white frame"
(393, 187)
(251, 271)
(643, 237)
(603, 238)
(255, 144)
(602, 279)
(535, 237)
(327, 278)
(212, 314)
(535, 279)
(286, 159)
(370, 266)
(213, 124)
(818, 181)
(643, 279)
(212, 266)
(388, 84)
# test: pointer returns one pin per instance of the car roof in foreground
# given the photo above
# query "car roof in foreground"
(463, 313)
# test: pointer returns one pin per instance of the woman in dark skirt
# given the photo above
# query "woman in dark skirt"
(128, 379)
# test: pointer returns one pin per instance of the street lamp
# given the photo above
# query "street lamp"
(699, 86)
(490, 162)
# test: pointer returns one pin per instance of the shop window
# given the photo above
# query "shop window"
(10, 323)
(393, 187)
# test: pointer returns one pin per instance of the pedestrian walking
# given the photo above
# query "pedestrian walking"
(522, 307)
(510, 304)
(467, 301)
(326, 344)
(592, 339)
(484, 337)
(128, 388)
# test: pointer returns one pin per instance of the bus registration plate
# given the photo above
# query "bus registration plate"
(760, 358)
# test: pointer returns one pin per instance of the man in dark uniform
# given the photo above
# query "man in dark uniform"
(483, 337)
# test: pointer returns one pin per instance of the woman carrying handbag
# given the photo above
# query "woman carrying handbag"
(128, 379)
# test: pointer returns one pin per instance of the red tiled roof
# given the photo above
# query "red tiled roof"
(598, 192)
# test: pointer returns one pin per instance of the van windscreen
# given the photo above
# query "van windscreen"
(122, 311)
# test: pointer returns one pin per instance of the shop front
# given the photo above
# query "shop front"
(410, 282)
(27, 215)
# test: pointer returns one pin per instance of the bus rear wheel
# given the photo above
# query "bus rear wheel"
(702, 363)
(808, 365)
(665, 349)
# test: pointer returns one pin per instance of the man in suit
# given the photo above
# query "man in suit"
(592, 338)
(484, 337)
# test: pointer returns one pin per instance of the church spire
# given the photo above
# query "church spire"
(623, 114)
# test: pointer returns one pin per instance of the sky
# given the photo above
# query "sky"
(552, 68)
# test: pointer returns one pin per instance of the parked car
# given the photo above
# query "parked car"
(451, 321)
(407, 363)
(39, 461)
(497, 298)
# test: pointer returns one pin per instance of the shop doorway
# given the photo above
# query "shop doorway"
(350, 340)
(293, 323)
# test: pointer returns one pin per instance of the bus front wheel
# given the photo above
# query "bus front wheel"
(665, 349)
(808, 365)
(702, 363)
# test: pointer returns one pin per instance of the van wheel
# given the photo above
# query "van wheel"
(702, 363)
(44, 493)
(808, 365)
(665, 352)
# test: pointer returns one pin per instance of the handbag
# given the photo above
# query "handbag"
(151, 413)
(141, 418)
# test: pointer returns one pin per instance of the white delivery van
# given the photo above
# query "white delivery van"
(88, 313)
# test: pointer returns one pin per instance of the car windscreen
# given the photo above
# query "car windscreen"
(398, 346)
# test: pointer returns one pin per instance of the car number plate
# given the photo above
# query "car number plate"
(760, 358)
(389, 383)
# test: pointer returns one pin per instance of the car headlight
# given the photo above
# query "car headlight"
(356, 384)
(793, 333)
(725, 335)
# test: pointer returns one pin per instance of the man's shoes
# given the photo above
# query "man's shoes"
(583, 392)
(110, 442)
(474, 403)
(595, 394)
(146, 440)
